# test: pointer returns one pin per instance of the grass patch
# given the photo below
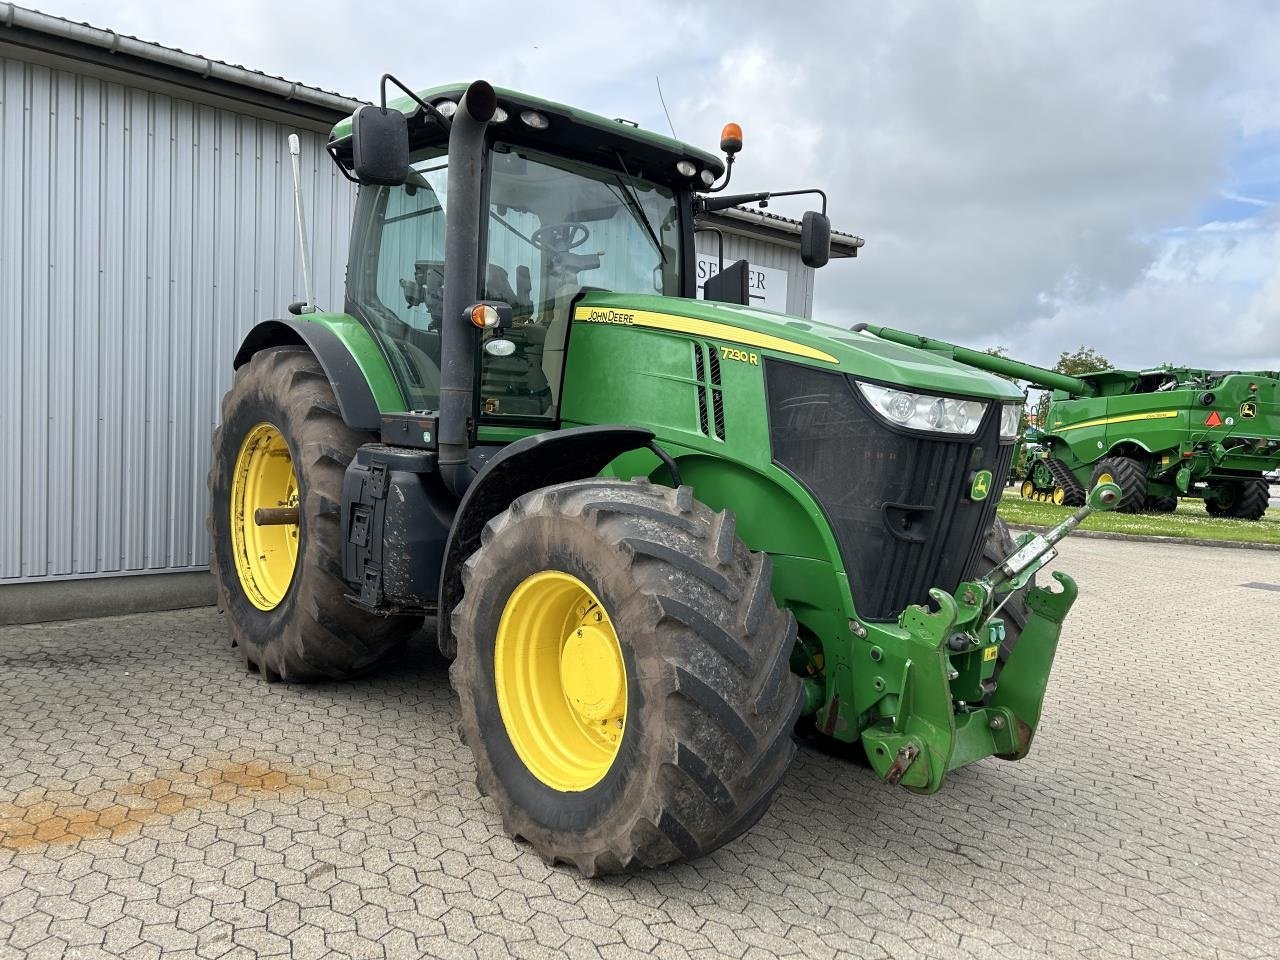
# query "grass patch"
(1190, 520)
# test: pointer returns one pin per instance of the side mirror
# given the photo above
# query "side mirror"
(380, 146)
(815, 239)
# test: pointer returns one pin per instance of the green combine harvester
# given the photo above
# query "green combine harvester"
(657, 531)
(1158, 434)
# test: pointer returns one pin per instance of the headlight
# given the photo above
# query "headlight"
(1010, 420)
(919, 412)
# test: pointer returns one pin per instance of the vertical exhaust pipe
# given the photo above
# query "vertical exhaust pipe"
(458, 338)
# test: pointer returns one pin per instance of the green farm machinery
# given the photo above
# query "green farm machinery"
(1158, 434)
(658, 534)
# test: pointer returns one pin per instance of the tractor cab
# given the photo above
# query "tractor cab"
(571, 203)
(554, 228)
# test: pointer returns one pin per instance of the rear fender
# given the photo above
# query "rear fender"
(351, 386)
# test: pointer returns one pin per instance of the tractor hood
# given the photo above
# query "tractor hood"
(859, 354)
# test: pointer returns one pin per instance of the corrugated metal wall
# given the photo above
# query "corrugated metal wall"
(766, 254)
(141, 235)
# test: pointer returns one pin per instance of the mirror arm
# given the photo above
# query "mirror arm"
(430, 110)
(712, 204)
(332, 149)
(799, 193)
(707, 228)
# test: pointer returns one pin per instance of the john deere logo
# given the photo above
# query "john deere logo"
(1248, 410)
(981, 485)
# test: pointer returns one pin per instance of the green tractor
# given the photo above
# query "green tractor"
(1158, 434)
(659, 533)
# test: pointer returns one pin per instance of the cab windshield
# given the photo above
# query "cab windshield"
(555, 228)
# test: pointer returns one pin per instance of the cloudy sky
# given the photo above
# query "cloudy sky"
(1038, 175)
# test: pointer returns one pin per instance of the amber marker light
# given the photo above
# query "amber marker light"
(484, 316)
(731, 138)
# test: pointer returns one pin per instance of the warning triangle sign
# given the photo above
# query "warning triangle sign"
(1214, 420)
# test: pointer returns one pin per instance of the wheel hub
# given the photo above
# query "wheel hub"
(591, 672)
(263, 478)
(561, 681)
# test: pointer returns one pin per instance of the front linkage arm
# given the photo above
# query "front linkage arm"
(957, 703)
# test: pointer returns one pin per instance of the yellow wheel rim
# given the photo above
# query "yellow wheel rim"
(265, 555)
(1028, 489)
(561, 681)
(1059, 496)
(1104, 478)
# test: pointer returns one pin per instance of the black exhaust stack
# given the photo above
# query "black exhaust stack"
(458, 337)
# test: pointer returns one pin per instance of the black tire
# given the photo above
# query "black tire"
(1130, 476)
(1240, 499)
(999, 543)
(1162, 504)
(313, 633)
(708, 733)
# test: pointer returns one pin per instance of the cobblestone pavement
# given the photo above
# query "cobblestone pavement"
(155, 800)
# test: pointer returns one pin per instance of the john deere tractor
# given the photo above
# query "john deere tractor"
(1159, 434)
(659, 533)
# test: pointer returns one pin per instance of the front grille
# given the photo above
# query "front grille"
(898, 502)
(717, 393)
(702, 390)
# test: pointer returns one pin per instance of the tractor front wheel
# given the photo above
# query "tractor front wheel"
(1129, 475)
(624, 675)
(275, 486)
(998, 545)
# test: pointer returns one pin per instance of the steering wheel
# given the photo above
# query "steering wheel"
(560, 237)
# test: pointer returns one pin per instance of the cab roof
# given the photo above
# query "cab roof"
(570, 130)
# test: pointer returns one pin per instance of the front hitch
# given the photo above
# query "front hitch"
(958, 703)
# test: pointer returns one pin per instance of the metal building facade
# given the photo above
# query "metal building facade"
(146, 223)
(141, 235)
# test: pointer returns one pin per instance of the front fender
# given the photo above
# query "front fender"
(542, 460)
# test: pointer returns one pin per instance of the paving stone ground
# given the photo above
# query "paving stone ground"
(156, 801)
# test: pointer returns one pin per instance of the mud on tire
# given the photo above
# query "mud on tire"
(711, 697)
(313, 633)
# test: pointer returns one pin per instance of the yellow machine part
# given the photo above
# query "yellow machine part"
(263, 477)
(561, 681)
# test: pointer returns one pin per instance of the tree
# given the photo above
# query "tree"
(1084, 360)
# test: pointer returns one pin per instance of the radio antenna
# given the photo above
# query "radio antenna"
(295, 150)
(663, 101)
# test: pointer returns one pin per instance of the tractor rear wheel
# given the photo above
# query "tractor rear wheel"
(624, 675)
(282, 446)
(1129, 475)
(1239, 499)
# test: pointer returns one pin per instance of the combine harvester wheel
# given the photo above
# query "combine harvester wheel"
(1130, 476)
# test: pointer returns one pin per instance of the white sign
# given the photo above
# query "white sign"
(768, 285)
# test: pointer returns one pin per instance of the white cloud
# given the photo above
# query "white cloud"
(1024, 174)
